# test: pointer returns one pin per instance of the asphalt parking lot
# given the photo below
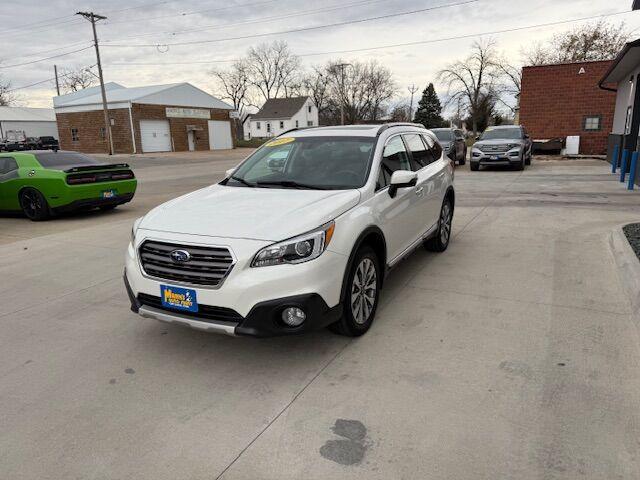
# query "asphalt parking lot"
(512, 355)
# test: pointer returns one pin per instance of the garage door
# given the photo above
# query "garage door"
(219, 135)
(155, 136)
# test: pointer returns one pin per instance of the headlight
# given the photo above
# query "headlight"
(134, 228)
(513, 145)
(296, 250)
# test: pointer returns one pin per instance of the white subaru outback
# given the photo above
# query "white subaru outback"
(298, 237)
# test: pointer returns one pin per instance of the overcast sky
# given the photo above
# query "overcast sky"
(49, 28)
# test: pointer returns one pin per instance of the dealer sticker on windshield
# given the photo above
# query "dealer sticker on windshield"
(280, 141)
(179, 298)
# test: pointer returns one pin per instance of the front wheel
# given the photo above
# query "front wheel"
(361, 295)
(34, 205)
(440, 241)
(475, 166)
(463, 160)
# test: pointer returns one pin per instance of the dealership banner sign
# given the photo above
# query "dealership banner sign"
(176, 112)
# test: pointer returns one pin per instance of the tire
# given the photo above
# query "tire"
(34, 205)
(463, 160)
(475, 166)
(528, 160)
(440, 241)
(359, 308)
(521, 163)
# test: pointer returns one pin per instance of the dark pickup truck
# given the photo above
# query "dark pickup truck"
(48, 143)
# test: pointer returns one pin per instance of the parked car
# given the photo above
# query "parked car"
(48, 143)
(42, 183)
(503, 145)
(298, 237)
(31, 143)
(14, 140)
(453, 143)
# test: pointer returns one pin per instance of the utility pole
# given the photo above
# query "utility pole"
(55, 70)
(93, 18)
(412, 89)
(342, 66)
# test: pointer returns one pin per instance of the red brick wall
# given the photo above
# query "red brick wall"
(555, 99)
(90, 123)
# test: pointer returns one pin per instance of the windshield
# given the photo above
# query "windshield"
(331, 163)
(443, 135)
(502, 133)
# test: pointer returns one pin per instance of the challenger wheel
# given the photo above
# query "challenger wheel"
(34, 205)
(361, 297)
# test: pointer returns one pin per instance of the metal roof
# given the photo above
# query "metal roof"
(276, 108)
(22, 114)
(178, 94)
(626, 61)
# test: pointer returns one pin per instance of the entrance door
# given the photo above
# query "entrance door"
(192, 141)
(155, 136)
(220, 135)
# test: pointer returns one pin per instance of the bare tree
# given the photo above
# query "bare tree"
(77, 79)
(472, 80)
(362, 88)
(588, 42)
(6, 95)
(272, 69)
(509, 84)
(315, 85)
(234, 85)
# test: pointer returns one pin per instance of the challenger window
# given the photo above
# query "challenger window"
(421, 155)
(394, 157)
(334, 163)
(7, 164)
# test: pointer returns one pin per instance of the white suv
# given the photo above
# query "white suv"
(299, 236)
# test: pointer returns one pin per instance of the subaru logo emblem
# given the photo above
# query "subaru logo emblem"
(180, 256)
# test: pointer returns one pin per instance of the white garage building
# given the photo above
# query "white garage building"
(155, 118)
(35, 122)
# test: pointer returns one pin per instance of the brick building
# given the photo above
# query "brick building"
(157, 118)
(558, 101)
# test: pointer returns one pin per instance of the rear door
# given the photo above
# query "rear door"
(436, 173)
(423, 163)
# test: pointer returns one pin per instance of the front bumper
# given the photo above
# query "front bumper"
(250, 300)
(502, 158)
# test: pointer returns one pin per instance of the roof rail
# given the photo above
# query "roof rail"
(398, 124)
(293, 130)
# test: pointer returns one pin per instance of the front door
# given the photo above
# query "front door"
(191, 139)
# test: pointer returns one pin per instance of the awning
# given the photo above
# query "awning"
(626, 61)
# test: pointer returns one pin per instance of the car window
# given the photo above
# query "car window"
(55, 160)
(436, 149)
(321, 162)
(443, 135)
(7, 164)
(394, 157)
(422, 156)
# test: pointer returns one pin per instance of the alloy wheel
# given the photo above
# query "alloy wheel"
(445, 223)
(31, 203)
(363, 291)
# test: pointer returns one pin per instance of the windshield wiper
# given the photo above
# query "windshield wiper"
(290, 184)
(242, 181)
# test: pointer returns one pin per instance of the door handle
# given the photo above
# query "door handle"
(419, 191)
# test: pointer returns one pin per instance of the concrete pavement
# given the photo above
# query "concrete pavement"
(512, 355)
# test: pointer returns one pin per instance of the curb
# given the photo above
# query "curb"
(628, 269)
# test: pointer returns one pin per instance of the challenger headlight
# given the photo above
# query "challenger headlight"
(296, 250)
(134, 228)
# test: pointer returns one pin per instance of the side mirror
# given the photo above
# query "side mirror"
(402, 179)
(477, 137)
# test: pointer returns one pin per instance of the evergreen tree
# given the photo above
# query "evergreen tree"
(429, 112)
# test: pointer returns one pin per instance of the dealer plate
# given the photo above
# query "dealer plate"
(179, 298)
(109, 193)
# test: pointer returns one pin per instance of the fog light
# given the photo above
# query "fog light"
(293, 316)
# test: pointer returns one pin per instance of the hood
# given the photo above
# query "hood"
(498, 141)
(270, 214)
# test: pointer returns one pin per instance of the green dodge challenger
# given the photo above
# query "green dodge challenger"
(43, 183)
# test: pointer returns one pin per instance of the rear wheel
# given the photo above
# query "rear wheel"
(361, 297)
(440, 241)
(34, 205)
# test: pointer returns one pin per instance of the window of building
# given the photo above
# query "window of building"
(74, 135)
(592, 123)
(103, 133)
(257, 125)
(281, 124)
(310, 123)
(309, 108)
(297, 123)
(268, 127)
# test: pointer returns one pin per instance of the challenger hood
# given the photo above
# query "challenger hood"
(270, 214)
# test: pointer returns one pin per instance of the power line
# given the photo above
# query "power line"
(248, 22)
(380, 47)
(303, 29)
(45, 81)
(47, 58)
(42, 52)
